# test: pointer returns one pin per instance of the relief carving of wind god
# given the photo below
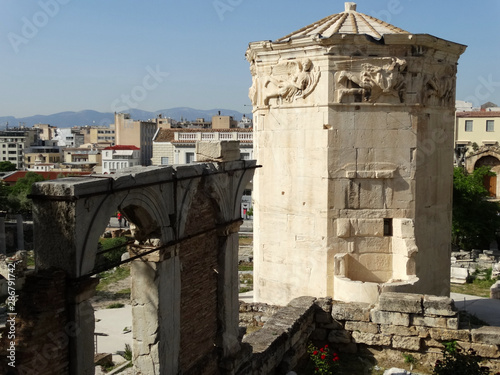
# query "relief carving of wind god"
(287, 82)
(370, 80)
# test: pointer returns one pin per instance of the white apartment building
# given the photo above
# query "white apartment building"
(178, 146)
(120, 157)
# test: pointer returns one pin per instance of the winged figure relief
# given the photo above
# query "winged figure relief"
(290, 80)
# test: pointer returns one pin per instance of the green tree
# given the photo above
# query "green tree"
(7, 166)
(18, 200)
(475, 218)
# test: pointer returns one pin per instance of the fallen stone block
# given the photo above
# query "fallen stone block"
(495, 290)
(217, 151)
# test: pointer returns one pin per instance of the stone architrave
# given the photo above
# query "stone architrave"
(353, 125)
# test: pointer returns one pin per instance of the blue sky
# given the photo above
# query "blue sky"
(105, 55)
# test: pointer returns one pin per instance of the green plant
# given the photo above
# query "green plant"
(127, 354)
(475, 218)
(410, 359)
(322, 360)
(115, 305)
(456, 361)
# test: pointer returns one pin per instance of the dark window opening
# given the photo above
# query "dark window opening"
(387, 227)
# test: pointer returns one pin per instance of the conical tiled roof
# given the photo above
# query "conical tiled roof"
(347, 22)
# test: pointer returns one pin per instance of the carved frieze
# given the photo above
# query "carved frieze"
(287, 81)
(373, 80)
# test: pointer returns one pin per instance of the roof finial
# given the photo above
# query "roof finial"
(350, 7)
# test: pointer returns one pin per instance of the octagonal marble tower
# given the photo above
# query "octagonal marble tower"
(353, 127)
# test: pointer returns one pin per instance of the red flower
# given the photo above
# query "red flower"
(335, 359)
(321, 350)
(326, 346)
(323, 356)
(315, 352)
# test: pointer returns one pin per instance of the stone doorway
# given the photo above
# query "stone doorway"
(490, 182)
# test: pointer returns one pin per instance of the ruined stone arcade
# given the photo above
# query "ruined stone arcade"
(185, 221)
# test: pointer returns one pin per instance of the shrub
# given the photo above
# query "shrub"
(455, 361)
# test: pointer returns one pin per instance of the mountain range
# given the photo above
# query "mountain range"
(89, 117)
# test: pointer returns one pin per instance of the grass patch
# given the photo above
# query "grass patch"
(115, 305)
(112, 276)
(245, 266)
(245, 289)
(127, 354)
(124, 292)
(246, 241)
(477, 287)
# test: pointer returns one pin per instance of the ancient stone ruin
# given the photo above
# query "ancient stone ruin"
(353, 125)
(184, 295)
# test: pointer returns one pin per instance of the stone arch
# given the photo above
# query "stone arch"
(490, 182)
(160, 202)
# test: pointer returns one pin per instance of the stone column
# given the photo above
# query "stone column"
(156, 294)
(3, 238)
(81, 332)
(20, 232)
(228, 289)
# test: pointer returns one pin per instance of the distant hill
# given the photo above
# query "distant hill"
(89, 117)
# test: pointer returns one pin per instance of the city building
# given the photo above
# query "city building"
(177, 146)
(223, 122)
(47, 132)
(85, 158)
(13, 142)
(99, 135)
(135, 133)
(44, 157)
(477, 143)
(120, 157)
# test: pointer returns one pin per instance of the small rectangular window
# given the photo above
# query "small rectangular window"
(387, 227)
(468, 125)
(164, 160)
(189, 157)
(490, 125)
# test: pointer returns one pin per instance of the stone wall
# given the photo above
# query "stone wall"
(199, 290)
(398, 324)
(40, 327)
